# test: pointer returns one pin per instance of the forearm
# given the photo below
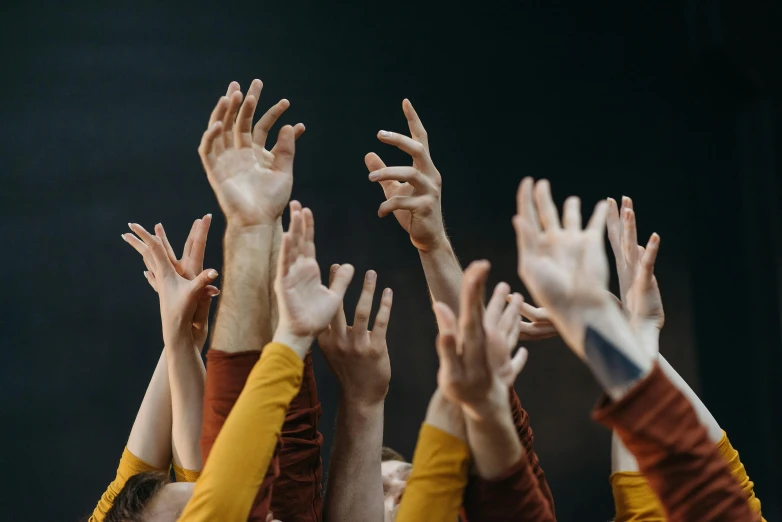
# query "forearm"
(150, 437)
(186, 375)
(243, 320)
(443, 274)
(355, 486)
(274, 254)
(494, 443)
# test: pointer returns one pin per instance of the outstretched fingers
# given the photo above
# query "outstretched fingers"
(364, 305)
(163, 266)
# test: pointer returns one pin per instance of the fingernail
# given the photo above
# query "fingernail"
(212, 274)
(371, 276)
(373, 176)
(146, 274)
(123, 237)
(388, 292)
(130, 226)
(384, 133)
(209, 215)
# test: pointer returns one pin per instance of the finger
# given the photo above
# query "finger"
(533, 313)
(525, 204)
(627, 202)
(510, 316)
(339, 324)
(598, 220)
(209, 150)
(571, 214)
(189, 241)
(471, 307)
(198, 247)
(309, 233)
(649, 258)
(403, 175)
(232, 88)
(417, 130)
(161, 233)
(243, 132)
(341, 280)
(406, 144)
(202, 280)
(201, 315)
(286, 257)
(496, 303)
(547, 210)
(446, 319)
(518, 362)
(422, 203)
(163, 266)
(364, 306)
(536, 331)
(150, 277)
(229, 119)
(527, 237)
(629, 237)
(374, 163)
(139, 247)
(222, 105)
(295, 231)
(267, 121)
(284, 150)
(614, 226)
(298, 130)
(383, 315)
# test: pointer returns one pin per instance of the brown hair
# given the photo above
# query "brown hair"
(131, 502)
(390, 454)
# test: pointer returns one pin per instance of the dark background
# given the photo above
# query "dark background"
(674, 103)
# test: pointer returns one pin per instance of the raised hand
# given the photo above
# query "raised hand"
(638, 287)
(252, 184)
(306, 306)
(475, 364)
(412, 193)
(359, 357)
(563, 266)
(538, 327)
(184, 303)
(189, 266)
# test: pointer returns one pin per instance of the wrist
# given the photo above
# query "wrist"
(298, 343)
(437, 245)
(492, 408)
(355, 407)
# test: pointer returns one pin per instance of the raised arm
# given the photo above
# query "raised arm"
(566, 270)
(359, 359)
(642, 304)
(245, 445)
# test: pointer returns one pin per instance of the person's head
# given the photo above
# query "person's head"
(150, 497)
(395, 470)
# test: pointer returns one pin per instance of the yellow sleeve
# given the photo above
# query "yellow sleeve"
(185, 475)
(738, 471)
(129, 465)
(436, 484)
(244, 447)
(635, 501)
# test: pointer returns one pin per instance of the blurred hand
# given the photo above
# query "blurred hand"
(306, 307)
(189, 266)
(538, 327)
(412, 193)
(638, 288)
(356, 356)
(475, 364)
(563, 266)
(252, 184)
(184, 303)
(502, 326)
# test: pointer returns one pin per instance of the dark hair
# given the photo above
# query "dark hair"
(390, 454)
(132, 500)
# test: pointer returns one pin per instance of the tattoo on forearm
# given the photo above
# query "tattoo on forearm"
(613, 369)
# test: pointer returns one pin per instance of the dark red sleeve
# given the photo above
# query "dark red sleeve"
(297, 490)
(522, 494)
(684, 468)
(226, 374)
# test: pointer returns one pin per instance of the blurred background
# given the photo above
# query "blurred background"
(675, 103)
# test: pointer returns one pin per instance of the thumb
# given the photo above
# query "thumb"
(518, 362)
(201, 315)
(285, 149)
(202, 280)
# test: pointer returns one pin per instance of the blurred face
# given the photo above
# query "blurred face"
(168, 503)
(395, 474)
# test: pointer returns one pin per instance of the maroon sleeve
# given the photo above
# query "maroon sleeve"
(297, 490)
(522, 494)
(684, 468)
(225, 377)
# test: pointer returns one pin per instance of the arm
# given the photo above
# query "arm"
(149, 443)
(566, 270)
(359, 359)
